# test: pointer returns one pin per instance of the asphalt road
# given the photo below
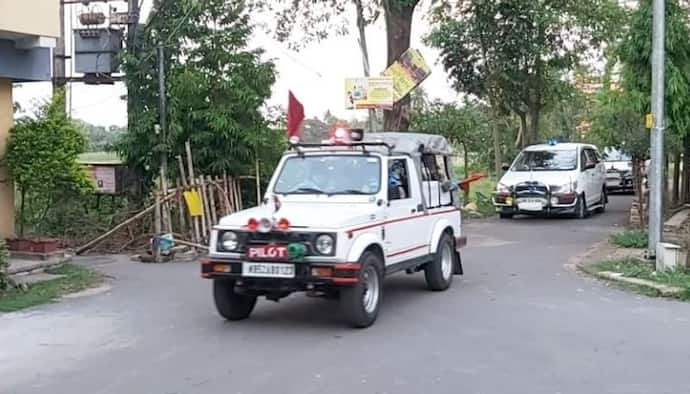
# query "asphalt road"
(518, 322)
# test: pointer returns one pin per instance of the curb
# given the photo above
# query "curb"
(663, 290)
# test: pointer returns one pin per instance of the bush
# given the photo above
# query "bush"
(4, 264)
(636, 239)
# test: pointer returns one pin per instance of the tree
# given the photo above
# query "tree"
(42, 160)
(317, 20)
(635, 54)
(515, 54)
(216, 88)
(465, 126)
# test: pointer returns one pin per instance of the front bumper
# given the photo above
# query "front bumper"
(308, 275)
(556, 203)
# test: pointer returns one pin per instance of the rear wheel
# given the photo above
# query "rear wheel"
(439, 272)
(230, 304)
(581, 207)
(360, 302)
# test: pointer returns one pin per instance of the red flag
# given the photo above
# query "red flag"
(295, 116)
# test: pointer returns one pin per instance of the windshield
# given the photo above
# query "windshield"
(546, 160)
(330, 174)
(615, 155)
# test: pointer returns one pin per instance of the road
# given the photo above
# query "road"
(518, 322)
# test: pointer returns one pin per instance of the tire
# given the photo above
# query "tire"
(439, 272)
(230, 304)
(604, 200)
(360, 303)
(505, 215)
(581, 207)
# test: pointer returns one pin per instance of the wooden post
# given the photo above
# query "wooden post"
(157, 230)
(184, 229)
(239, 194)
(204, 203)
(212, 200)
(196, 221)
(258, 183)
(165, 213)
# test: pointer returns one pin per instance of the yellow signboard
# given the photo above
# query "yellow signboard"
(649, 121)
(369, 93)
(407, 73)
(193, 200)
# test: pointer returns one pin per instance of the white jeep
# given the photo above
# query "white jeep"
(336, 219)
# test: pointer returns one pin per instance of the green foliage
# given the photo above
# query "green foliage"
(75, 278)
(465, 126)
(215, 88)
(42, 160)
(635, 53)
(615, 123)
(100, 138)
(515, 54)
(636, 239)
(635, 268)
(4, 264)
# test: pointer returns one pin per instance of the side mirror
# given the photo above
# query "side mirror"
(445, 186)
(589, 165)
(505, 167)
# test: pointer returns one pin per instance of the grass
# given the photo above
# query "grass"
(99, 158)
(636, 239)
(480, 193)
(75, 279)
(635, 268)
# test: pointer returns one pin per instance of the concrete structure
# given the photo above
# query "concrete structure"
(28, 31)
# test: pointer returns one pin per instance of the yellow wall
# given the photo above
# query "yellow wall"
(31, 17)
(6, 187)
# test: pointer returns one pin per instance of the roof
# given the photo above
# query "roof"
(411, 143)
(559, 146)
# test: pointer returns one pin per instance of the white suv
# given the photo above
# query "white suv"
(553, 178)
(337, 218)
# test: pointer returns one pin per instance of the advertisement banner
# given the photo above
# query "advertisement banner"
(369, 93)
(407, 73)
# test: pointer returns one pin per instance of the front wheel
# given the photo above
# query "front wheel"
(230, 304)
(439, 272)
(360, 303)
(581, 207)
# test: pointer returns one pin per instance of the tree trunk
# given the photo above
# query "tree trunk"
(467, 171)
(498, 156)
(361, 25)
(22, 211)
(520, 141)
(675, 197)
(398, 31)
(530, 138)
(686, 170)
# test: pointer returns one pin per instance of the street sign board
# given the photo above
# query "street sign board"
(369, 93)
(407, 72)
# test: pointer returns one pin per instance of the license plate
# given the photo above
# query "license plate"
(267, 252)
(268, 270)
(531, 204)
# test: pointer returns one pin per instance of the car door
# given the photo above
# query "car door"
(401, 241)
(592, 177)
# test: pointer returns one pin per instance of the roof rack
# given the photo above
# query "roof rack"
(362, 145)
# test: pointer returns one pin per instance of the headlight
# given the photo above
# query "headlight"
(501, 188)
(324, 244)
(229, 241)
(565, 188)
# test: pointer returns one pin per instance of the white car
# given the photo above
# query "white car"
(552, 179)
(337, 218)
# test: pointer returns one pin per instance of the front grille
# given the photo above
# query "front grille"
(531, 189)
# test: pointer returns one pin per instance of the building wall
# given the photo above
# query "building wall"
(6, 187)
(30, 17)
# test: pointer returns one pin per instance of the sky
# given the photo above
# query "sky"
(315, 74)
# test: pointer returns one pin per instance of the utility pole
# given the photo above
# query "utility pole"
(365, 55)
(59, 54)
(657, 138)
(163, 136)
(132, 24)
